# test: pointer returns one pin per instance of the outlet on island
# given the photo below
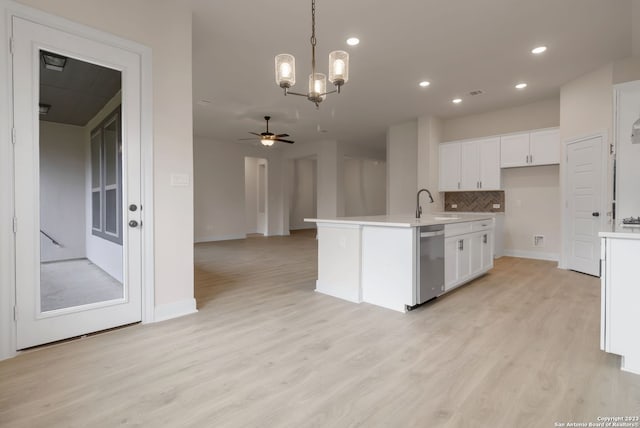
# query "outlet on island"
(496, 206)
(454, 206)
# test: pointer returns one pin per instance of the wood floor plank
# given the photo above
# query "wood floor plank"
(517, 347)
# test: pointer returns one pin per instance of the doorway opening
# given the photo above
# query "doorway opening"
(256, 195)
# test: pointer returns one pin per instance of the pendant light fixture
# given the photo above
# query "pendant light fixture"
(338, 70)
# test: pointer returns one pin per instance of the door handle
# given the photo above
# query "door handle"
(133, 207)
(484, 238)
(595, 214)
(461, 245)
(133, 223)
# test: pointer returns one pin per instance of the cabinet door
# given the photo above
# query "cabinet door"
(489, 150)
(514, 150)
(487, 249)
(450, 262)
(449, 167)
(545, 147)
(470, 165)
(464, 258)
(475, 253)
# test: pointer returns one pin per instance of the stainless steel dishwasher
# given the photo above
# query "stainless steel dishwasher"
(431, 263)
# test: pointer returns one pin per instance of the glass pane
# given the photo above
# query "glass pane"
(95, 211)
(95, 160)
(78, 266)
(111, 211)
(110, 153)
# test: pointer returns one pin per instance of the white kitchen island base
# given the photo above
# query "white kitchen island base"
(375, 259)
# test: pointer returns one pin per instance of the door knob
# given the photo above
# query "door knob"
(595, 214)
(133, 207)
(133, 223)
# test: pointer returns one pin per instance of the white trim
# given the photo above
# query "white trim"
(219, 238)
(175, 309)
(7, 253)
(305, 227)
(554, 257)
(606, 199)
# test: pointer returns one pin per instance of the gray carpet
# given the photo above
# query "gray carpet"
(71, 283)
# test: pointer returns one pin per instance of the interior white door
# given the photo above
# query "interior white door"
(584, 203)
(34, 324)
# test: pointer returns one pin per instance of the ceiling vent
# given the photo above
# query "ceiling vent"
(476, 92)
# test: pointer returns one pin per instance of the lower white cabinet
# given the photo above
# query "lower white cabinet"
(468, 252)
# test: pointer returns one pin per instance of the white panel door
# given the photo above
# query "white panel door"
(545, 147)
(469, 166)
(489, 150)
(487, 250)
(449, 172)
(514, 150)
(36, 324)
(584, 203)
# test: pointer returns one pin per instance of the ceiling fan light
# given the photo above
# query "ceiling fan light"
(317, 87)
(338, 67)
(267, 142)
(285, 70)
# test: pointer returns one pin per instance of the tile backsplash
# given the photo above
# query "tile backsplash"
(474, 201)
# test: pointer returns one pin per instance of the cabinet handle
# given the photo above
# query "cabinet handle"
(461, 245)
(530, 158)
(484, 238)
(481, 184)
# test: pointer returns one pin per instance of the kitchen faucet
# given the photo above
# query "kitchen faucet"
(418, 207)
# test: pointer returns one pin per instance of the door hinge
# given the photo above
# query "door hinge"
(13, 136)
(15, 225)
(610, 149)
(11, 45)
(15, 313)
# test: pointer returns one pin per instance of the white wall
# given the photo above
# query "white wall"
(635, 28)
(627, 154)
(164, 26)
(430, 135)
(402, 181)
(251, 194)
(532, 194)
(62, 191)
(303, 195)
(364, 187)
(219, 183)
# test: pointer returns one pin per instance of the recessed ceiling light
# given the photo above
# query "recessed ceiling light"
(353, 41)
(424, 83)
(521, 85)
(538, 50)
(456, 100)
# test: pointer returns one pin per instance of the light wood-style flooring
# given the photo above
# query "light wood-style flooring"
(518, 347)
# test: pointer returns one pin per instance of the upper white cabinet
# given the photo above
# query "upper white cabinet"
(530, 148)
(470, 165)
(449, 167)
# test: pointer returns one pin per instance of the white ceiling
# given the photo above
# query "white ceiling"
(458, 45)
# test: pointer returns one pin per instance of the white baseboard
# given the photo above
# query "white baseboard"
(175, 310)
(341, 291)
(554, 257)
(219, 238)
(306, 227)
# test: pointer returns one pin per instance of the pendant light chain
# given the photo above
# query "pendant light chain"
(313, 38)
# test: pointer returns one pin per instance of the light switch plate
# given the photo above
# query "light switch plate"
(496, 206)
(179, 179)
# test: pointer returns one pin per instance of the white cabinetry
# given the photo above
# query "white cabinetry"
(449, 167)
(468, 251)
(620, 297)
(530, 148)
(470, 165)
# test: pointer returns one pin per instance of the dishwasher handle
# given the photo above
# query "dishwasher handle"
(430, 234)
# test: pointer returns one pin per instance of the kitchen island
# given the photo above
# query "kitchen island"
(376, 259)
(620, 295)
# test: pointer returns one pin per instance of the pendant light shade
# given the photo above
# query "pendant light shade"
(317, 87)
(338, 67)
(285, 70)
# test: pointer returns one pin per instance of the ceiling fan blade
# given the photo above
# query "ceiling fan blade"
(283, 141)
(253, 133)
(282, 135)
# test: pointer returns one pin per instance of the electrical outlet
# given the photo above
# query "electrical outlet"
(538, 240)
(454, 205)
(496, 206)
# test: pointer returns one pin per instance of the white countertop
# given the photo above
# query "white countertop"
(619, 231)
(404, 221)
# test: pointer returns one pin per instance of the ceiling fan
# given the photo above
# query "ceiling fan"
(267, 138)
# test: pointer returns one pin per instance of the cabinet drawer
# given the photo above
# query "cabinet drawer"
(481, 225)
(457, 229)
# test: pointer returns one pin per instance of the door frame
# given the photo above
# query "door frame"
(605, 200)
(7, 250)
